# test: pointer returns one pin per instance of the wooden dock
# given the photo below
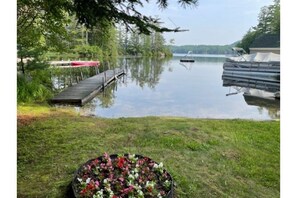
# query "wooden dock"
(87, 89)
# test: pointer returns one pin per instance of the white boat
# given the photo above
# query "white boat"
(258, 66)
(187, 58)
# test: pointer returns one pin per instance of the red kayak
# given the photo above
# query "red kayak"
(84, 63)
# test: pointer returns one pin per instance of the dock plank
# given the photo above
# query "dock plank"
(87, 89)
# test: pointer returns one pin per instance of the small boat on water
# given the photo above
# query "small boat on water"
(257, 77)
(187, 58)
(258, 66)
(75, 63)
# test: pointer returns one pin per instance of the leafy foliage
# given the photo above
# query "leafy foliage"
(87, 51)
(41, 22)
(37, 87)
(248, 39)
(125, 11)
(268, 23)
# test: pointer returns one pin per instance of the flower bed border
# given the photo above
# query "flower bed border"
(112, 157)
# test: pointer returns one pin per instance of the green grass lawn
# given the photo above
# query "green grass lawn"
(207, 158)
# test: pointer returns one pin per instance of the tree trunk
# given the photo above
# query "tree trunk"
(22, 65)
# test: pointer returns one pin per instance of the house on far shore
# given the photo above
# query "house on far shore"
(266, 43)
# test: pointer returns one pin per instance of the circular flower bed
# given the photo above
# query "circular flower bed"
(121, 176)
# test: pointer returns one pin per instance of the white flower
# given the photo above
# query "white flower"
(158, 167)
(99, 194)
(133, 158)
(79, 179)
(167, 183)
(131, 177)
(137, 187)
(88, 180)
(110, 192)
(136, 175)
(150, 184)
(140, 193)
(159, 195)
(161, 165)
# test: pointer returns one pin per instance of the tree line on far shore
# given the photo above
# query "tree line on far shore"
(202, 49)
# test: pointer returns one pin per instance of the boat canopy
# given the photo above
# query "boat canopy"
(257, 57)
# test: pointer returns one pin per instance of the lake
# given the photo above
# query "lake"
(169, 88)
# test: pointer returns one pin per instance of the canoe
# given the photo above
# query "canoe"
(84, 63)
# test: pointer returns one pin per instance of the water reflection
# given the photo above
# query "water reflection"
(265, 95)
(144, 72)
(65, 77)
(167, 88)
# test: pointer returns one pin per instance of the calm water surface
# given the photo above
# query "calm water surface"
(169, 88)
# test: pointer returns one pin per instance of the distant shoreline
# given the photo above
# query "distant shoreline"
(202, 55)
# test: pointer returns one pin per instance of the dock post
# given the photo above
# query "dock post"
(96, 69)
(102, 82)
(81, 74)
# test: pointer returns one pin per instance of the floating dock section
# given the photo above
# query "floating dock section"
(87, 89)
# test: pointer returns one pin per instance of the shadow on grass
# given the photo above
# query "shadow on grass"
(69, 193)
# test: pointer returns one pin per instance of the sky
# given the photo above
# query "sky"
(212, 22)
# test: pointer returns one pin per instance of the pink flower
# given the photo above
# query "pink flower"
(89, 167)
(96, 184)
(127, 190)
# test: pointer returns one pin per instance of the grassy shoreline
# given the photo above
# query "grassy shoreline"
(206, 157)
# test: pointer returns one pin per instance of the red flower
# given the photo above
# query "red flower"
(83, 191)
(150, 189)
(121, 162)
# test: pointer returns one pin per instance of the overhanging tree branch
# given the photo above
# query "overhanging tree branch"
(92, 11)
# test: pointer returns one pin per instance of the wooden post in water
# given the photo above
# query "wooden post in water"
(81, 74)
(103, 82)
(70, 80)
(97, 70)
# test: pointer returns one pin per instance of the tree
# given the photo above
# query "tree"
(158, 42)
(146, 45)
(265, 19)
(268, 23)
(276, 17)
(133, 43)
(248, 39)
(37, 19)
(125, 11)
(269, 18)
(40, 25)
